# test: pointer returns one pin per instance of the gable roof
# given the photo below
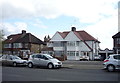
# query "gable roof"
(82, 35)
(63, 34)
(23, 38)
(117, 35)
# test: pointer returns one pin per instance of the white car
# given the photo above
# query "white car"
(43, 60)
(84, 57)
(97, 57)
(112, 62)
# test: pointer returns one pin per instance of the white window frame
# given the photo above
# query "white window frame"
(17, 45)
(7, 45)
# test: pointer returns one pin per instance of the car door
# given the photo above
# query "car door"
(117, 60)
(43, 60)
(9, 60)
(35, 60)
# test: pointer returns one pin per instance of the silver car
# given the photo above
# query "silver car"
(12, 60)
(112, 62)
(43, 60)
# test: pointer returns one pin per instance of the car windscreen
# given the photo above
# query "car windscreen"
(16, 57)
(117, 57)
(48, 56)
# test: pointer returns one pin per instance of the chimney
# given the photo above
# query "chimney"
(73, 28)
(23, 32)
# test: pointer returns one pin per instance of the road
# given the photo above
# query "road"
(71, 71)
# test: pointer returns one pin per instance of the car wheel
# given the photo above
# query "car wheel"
(50, 66)
(14, 64)
(110, 68)
(30, 65)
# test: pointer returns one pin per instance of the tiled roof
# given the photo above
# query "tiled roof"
(85, 36)
(23, 38)
(117, 35)
(63, 34)
(12, 38)
(82, 35)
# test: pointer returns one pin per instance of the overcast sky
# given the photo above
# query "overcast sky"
(44, 17)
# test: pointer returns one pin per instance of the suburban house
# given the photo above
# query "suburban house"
(116, 43)
(22, 44)
(73, 44)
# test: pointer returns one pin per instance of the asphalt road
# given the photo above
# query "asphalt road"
(71, 71)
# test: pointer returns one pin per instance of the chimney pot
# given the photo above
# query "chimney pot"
(73, 28)
(23, 31)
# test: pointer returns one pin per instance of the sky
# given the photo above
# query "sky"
(45, 17)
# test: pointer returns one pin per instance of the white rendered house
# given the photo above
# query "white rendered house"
(73, 44)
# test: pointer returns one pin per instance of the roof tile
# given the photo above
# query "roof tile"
(82, 35)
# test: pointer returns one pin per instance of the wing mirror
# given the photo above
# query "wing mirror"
(11, 58)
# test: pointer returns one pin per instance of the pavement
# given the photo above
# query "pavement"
(83, 64)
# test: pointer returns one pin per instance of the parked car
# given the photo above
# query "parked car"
(112, 62)
(43, 60)
(84, 57)
(0, 55)
(97, 57)
(12, 60)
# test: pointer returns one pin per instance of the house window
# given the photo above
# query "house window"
(26, 45)
(77, 43)
(17, 45)
(7, 45)
(71, 43)
(59, 53)
(118, 41)
(58, 44)
(73, 53)
(77, 53)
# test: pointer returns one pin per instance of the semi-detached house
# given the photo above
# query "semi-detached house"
(73, 44)
(22, 44)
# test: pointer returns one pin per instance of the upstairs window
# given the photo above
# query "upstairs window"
(71, 43)
(7, 45)
(17, 45)
(118, 41)
(58, 44)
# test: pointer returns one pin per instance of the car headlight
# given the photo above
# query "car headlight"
(24, 62)
(59, 62)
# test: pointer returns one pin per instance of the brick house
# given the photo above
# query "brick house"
(116, 43)
(22, 44)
